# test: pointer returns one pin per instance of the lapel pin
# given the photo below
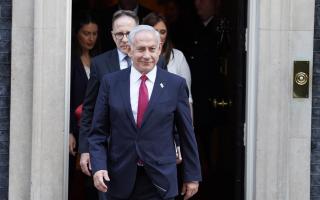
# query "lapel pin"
(161, 85)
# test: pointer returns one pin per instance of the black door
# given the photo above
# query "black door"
(227, 152)
(232, 102)
(221, 147)
(216, 55)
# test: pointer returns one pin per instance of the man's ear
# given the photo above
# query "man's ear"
(160, 49)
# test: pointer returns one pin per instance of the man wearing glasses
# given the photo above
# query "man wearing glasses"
(122, 23)
(106, 16)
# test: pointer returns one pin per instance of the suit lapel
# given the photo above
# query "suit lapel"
(158, 88)
(125, 91)
(114, 60)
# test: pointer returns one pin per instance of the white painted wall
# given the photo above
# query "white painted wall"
(38, 134)
(21, 100)
(283, 129)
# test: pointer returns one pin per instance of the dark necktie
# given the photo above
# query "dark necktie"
(128, 59)
(143, 100)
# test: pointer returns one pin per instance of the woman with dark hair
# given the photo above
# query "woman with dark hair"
(175, 60)
(85, 36)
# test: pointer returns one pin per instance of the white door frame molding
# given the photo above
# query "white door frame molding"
(278, 126)
(251, 98)
(39, 115)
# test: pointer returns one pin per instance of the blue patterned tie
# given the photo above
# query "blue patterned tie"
(128, 59)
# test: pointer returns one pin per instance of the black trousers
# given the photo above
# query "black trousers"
(143, 188)
(80, 185)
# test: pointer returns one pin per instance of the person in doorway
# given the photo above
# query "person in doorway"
(106, 18)
(204, 48)
(108, 62)
(201, 50)
(136, 111)
(175, 60)
(83, 48)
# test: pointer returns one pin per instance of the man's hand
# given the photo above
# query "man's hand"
(85, 163)
(72, 144)
(98, 179)
(189, 189)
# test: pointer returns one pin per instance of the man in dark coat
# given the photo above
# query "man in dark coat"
(137, 111)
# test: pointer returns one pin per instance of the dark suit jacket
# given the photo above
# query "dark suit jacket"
(102, 64)
(153, 142)
(78, 87)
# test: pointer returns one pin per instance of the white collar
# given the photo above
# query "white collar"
(135, 74)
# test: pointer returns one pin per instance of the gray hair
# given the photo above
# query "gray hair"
(143, 28)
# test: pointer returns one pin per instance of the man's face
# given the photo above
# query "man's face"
(121, 28)
(205, 8)
(145, 51)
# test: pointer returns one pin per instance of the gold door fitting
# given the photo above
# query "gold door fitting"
(221, 104)
(301, 79)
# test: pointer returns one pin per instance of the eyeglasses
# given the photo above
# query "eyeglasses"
(120, 35)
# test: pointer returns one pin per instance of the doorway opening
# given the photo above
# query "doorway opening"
(218, 89)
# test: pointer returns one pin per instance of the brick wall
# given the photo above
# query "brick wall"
(5, 49)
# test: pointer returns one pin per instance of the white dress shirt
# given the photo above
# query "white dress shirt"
(87, 70)
(135, 85)
(178, 65)
(122, 61)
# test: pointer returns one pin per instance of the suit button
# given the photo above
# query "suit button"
(195, 42)
(191, 57)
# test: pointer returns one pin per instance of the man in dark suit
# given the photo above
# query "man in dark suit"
(106, 17)
(136, 111)
(107, 62)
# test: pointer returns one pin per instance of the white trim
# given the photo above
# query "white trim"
(251, 102)
(67, 99)
(251, 99)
